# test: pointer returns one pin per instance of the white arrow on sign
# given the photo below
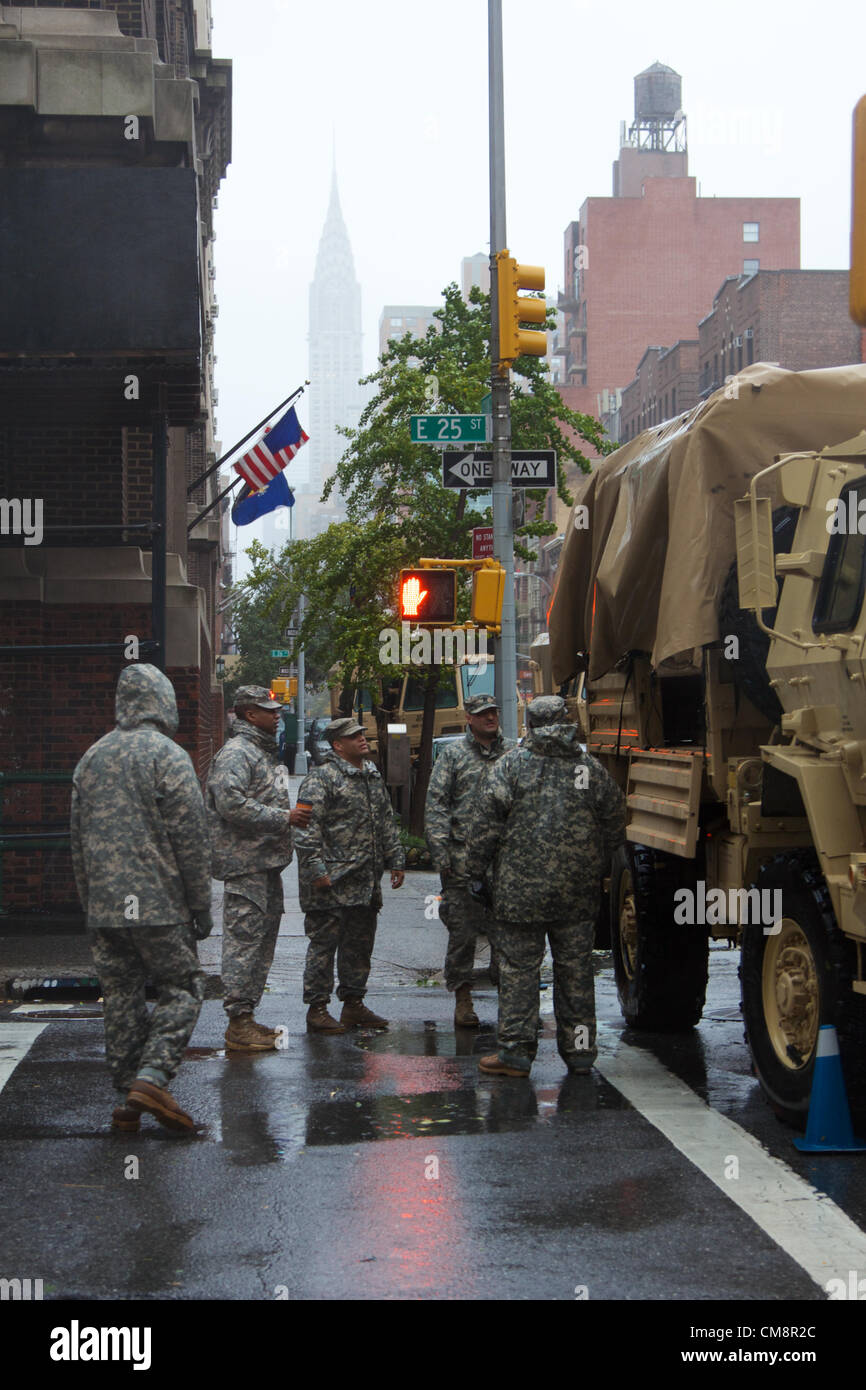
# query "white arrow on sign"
(471, 470)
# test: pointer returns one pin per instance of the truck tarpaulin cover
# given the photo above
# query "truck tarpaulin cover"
(644, 572)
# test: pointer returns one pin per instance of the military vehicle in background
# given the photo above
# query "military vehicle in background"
(403, 700)
(709, 629)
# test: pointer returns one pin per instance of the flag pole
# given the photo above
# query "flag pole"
(215, 503)
(233, 450)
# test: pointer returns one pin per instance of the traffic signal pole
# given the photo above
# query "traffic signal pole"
(505, 647)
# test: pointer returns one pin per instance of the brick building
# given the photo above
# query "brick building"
(117, 114)
(797, 318)
(642, 266)
(665, 384)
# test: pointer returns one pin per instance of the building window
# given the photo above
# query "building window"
(750, 347)
(751, 231)
(396, 323)
(751, 267)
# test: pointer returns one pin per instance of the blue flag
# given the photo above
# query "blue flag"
(249, 504)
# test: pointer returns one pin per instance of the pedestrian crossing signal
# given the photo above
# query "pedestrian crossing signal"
(428, 597)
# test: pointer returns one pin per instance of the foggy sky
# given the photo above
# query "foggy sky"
(401, 88)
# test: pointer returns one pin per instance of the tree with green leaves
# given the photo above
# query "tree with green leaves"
(397, 509)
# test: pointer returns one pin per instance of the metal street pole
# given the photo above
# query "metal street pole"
(301, 759)
(505, 649)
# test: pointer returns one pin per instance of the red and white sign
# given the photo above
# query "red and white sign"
(482, 542)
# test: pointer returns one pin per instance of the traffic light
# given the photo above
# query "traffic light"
(488, 588)
(279, 689)
(514, 340)
(428, 598)
(857, 282)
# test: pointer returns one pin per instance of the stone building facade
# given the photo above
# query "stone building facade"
(118, 114)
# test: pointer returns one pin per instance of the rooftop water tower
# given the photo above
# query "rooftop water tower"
(659, 123)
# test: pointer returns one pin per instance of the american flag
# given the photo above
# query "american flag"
(273, 451)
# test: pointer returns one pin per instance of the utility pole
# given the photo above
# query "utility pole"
(301, 757)
(505, 648)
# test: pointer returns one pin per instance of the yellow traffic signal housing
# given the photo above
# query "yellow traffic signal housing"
(857, 282)
(513, 310)
(488, 589)
(293, 687)
(280, 688)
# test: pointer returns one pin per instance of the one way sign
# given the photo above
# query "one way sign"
(529, 468)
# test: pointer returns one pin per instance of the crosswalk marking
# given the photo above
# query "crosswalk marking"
(806, 1223)
(16, 1039)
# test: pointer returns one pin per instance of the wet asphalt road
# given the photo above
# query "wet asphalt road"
(386, 1166)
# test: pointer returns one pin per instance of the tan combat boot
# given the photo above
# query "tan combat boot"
(320, 1021)
(356, 1015)
(244, 1035)
(464, 1014)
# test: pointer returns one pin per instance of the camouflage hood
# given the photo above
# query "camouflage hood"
(145, 696)
(555, 741)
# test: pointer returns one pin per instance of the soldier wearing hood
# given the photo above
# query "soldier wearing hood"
(142, 867)
(350, 841)
(547, 823)
(250, 816)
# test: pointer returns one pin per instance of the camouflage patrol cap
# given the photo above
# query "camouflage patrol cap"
(255, 695)
(342, 728)
(477, 704)
(546, 709)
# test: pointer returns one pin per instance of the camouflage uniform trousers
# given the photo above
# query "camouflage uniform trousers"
(521, 951)
(125, 959)
(466, 919)
(252, 909)
(348, 933)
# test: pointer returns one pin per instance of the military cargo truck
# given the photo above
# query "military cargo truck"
(711, 599)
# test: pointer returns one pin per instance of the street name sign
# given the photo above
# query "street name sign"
(529, 468)
(279, 651)
(448, 429)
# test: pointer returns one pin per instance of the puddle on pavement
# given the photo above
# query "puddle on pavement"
(433, 1041)
(200, 1054)
(489, 1106)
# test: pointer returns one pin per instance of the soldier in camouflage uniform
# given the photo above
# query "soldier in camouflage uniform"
(459, 773)
(351, 839)
(548, 821)
(141, 859)
(250, 816)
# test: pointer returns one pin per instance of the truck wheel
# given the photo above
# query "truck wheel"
(795, 981)
(659, 965)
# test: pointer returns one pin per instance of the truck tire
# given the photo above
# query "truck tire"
(795, 981)
(660, 966)
(750, 668)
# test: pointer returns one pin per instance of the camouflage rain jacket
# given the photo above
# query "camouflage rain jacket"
(459, 773)
(139, 837)
(548, 836)
(247, 799)
(351, 836)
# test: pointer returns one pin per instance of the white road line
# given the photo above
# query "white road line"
(16, 1039)
(42, 1008)
(806, 1223)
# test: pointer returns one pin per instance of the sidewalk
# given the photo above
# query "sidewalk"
(410, 941)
